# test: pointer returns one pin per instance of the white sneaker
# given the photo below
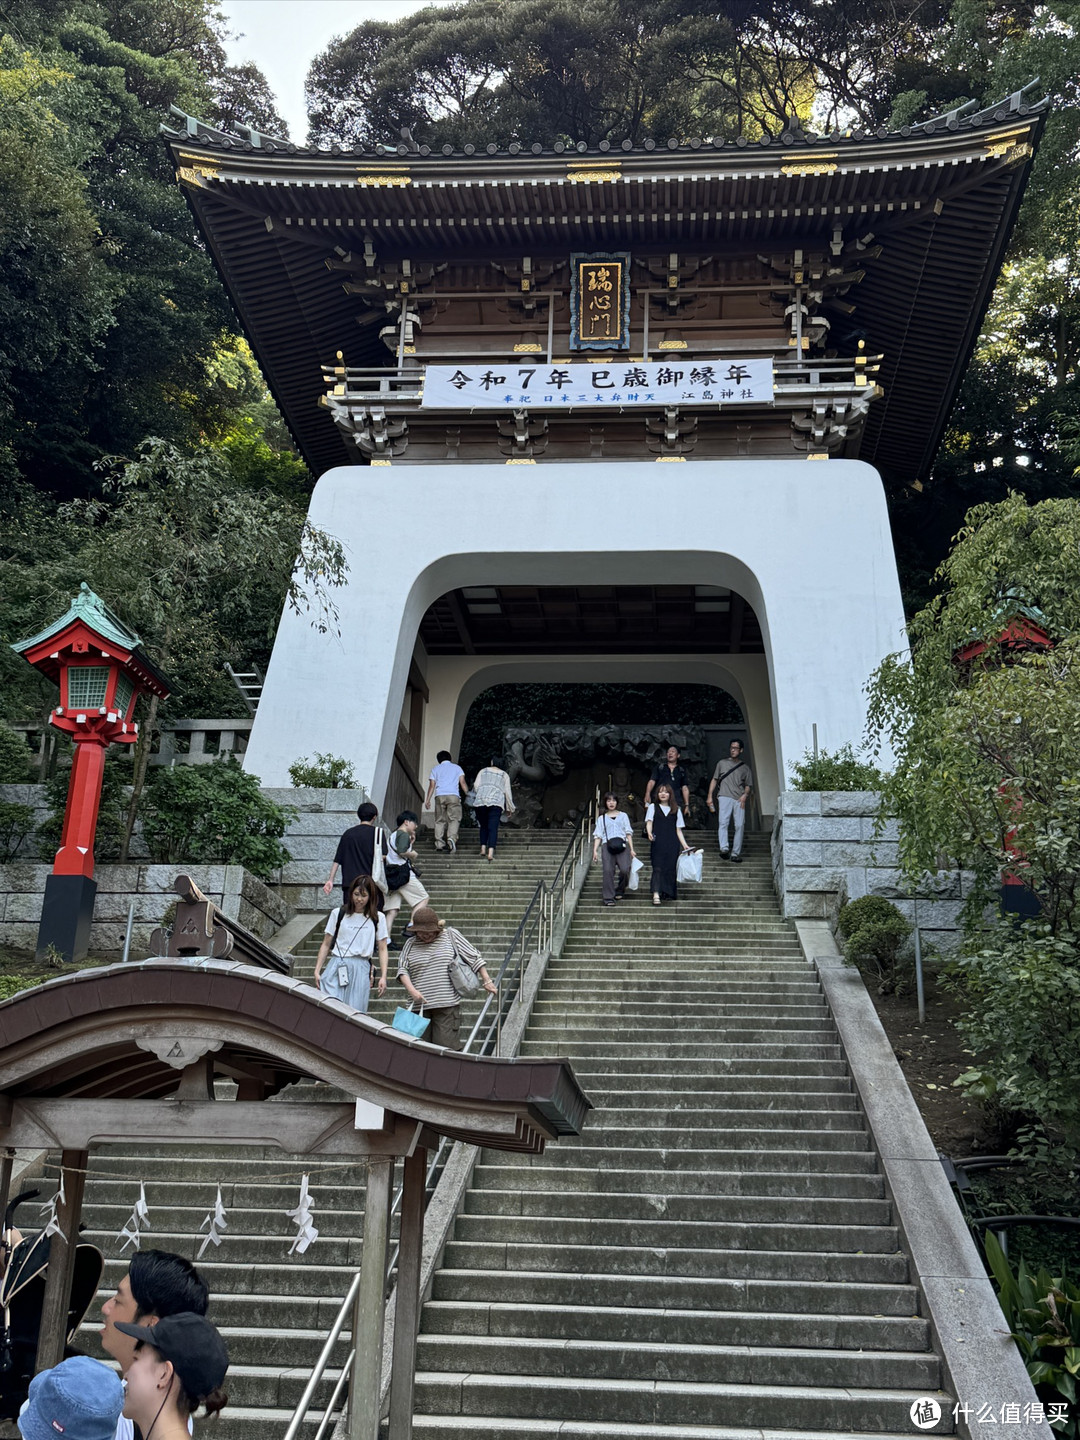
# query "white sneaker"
(451, 845)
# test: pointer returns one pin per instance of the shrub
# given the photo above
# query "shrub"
(215, 814)
(1020, 987)
(1043, 1315)
(838, 770)
(873, 932)
(16, 823)
(11, 984)
(14, 757)
(325, 772)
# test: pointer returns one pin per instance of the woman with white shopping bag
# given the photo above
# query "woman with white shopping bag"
(664, 827)
(616, 834)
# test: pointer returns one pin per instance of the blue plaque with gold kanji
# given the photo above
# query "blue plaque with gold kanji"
(600, 302)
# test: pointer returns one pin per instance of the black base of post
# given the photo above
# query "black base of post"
(66, 916)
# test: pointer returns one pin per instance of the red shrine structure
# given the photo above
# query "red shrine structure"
(101, 670)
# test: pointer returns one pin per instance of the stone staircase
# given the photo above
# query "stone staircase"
(275, 1310)
(715, 1257)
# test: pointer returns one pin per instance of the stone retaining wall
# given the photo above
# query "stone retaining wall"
(824, 853)
(238, 894)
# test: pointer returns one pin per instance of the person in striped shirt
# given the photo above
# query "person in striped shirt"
(424, 970)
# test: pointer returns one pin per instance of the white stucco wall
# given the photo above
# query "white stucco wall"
(806, 543)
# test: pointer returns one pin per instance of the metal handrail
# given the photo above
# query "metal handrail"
(542, 910)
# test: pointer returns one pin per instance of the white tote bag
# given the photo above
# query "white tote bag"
(689, 867)
(636, 867)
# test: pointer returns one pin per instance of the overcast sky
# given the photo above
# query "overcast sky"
(284, 36)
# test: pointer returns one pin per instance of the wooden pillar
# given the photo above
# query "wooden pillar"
(7, 1159)
(57, 1299)
(370, 1310)
(407, 1310)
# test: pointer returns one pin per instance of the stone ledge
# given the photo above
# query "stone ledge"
(981, 1363)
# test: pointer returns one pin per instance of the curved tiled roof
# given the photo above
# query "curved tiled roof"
(939, 198)
(78, 1037)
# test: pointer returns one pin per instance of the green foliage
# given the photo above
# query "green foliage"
(839, 769)
(110, 308)
(988, 773)
(1021, 989)
(1043, 1315)
(11, 984)
(207, 814)
(325, 772)
(115, 789)
(16, 823)
(14, 757)
(874, 931)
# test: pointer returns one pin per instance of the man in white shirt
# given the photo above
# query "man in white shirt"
(447, 783)
(157, 1284)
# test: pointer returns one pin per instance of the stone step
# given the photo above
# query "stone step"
(686, 1364)
(271, 1248)
(776, 1206)
(680, 1261)
(448, 1427)
(660, 1233)
(675, 1292)
(675, 1327)
(708, 1052)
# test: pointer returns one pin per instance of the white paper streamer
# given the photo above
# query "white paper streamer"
(139, 1220)
(52, 1225)
(217, 1222)
(306, 1233)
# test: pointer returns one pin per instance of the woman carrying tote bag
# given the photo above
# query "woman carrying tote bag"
(424, 970)
(664, 827)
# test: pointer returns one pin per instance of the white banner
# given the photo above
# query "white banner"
(625, 382)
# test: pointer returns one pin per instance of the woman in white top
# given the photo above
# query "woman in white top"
(352, 933)
(615, 834)
(664, 827)
(493, 797)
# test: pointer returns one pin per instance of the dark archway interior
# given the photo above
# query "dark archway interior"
(665, 708)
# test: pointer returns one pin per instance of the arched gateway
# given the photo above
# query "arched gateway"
(486, 356)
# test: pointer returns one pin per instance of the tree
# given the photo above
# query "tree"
(988, 776)
(196, 562)
(111, 312)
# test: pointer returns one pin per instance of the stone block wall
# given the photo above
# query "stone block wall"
(235, 892)
(826, 851)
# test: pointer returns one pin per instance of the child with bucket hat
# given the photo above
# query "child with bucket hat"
(79, 1399)
(180, 1363)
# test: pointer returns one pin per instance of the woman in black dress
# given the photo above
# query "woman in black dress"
(664, 827)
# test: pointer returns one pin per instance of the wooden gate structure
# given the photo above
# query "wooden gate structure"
(131, 1052)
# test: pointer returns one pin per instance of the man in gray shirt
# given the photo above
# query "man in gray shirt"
(731, 785)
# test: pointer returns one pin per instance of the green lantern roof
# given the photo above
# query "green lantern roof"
(92, 611)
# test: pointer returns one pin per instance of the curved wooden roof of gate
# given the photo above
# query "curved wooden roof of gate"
(79, 1038)
(939, 197)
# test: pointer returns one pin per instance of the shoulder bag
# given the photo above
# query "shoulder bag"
(615, 844)
(398, 874)
(463, 978)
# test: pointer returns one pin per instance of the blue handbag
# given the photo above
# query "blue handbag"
(409, 1022)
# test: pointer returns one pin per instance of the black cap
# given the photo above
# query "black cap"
(195, 1348)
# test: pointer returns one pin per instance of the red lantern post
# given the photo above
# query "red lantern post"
(101, 670)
